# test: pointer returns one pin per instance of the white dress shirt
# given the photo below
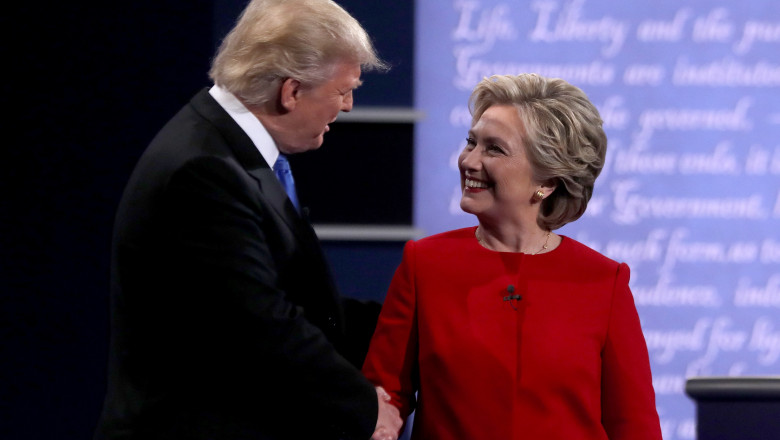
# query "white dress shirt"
(248, 122)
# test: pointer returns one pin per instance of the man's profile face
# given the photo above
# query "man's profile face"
(317, 106)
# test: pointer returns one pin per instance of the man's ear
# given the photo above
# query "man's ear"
(289, 94)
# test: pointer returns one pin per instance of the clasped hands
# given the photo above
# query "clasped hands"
(388, 424)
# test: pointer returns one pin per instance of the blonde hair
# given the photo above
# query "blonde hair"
(278, 39)
(563, 137)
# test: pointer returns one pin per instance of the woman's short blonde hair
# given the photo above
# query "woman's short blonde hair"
(278, 39)
(562, 134)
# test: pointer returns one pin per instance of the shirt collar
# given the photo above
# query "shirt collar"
(248, 122)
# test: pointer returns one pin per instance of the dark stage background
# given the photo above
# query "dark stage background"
(87, 87)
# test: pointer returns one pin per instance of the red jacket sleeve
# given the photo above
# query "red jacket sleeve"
(392, 356)
(628, 398)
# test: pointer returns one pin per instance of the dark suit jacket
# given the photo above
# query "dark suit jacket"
(225, 320)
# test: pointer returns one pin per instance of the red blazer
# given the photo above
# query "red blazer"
(567, 361)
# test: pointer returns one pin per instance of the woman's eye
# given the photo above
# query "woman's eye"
(470, 141)
(494, 148)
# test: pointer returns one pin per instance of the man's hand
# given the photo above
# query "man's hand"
(388, 424)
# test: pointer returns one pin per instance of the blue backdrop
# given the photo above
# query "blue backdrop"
(689, 198)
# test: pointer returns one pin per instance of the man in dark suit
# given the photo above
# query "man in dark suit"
(225, 320)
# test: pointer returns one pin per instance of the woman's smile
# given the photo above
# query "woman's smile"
(474, 185)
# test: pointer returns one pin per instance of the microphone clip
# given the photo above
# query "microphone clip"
(512, 296)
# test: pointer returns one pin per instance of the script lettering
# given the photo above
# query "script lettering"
(569, 25)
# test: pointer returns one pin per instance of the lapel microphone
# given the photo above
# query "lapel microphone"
(511, 289)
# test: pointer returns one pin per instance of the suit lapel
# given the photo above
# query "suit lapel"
(251, 159)
(276, 196)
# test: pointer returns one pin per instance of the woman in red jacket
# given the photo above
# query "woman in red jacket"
(507, 330)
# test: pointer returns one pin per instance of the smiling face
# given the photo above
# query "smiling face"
(495, 175)
(312, 108)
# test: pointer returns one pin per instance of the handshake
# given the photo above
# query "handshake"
(388, 424)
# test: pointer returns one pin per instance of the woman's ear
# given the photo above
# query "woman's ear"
(548, 187)
(289, 94)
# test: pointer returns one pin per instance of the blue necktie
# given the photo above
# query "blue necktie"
(284, 174)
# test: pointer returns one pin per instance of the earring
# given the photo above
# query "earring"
(538, 196)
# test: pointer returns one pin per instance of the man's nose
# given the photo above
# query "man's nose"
(347, 104)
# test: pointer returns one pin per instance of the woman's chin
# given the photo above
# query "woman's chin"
(467, 206)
